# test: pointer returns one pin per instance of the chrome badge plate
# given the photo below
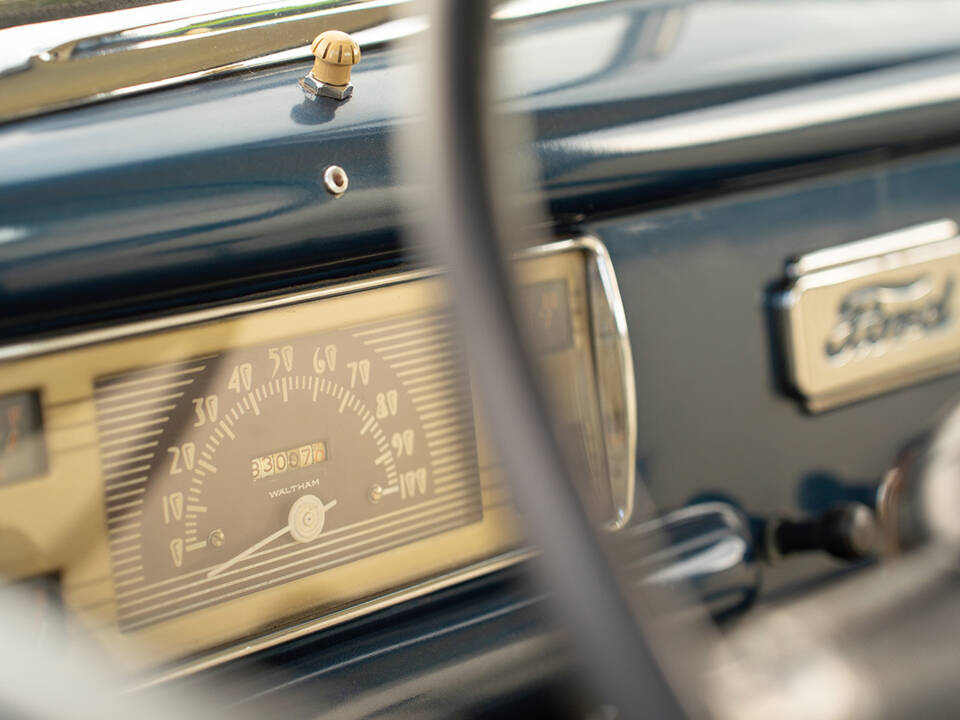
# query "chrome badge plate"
(872, 315)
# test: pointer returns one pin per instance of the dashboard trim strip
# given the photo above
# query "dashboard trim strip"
(234, 652)
(86, 338)
(77, 61)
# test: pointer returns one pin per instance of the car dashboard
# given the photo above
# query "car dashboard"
(242, 443)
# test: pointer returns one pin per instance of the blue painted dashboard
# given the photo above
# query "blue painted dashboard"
(672, 145)
(213, 190)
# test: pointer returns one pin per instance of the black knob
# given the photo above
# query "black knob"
(847, 531)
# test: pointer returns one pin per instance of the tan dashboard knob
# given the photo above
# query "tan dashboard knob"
(336, 53)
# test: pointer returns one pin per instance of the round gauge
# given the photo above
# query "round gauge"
(234, 472)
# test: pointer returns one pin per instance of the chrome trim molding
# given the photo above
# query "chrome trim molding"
(623, 481)
(873, 315)
(917, 236)
(622, 486)
(81, 70)
(233, 652)
(60, 343)
(77, 61)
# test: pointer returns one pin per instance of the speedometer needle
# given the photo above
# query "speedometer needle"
(304, 522)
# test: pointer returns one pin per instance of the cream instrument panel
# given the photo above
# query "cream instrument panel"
(217, 482)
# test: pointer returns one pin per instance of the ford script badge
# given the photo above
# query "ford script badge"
(872, 315)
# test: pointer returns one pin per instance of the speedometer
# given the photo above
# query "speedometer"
(233, 472)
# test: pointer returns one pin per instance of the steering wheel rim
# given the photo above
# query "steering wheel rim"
(469, 231)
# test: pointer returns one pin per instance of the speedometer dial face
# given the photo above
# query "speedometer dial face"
(234, 472)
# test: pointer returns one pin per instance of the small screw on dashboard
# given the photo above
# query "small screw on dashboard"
(217, 538)
(335, 180)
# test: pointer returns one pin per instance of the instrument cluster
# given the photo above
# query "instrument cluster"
(222, 480)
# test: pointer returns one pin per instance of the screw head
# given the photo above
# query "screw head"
(335, 180)
(217, 538)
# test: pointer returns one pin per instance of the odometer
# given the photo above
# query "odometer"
(233, 472)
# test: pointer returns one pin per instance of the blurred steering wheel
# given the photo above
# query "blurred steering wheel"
(470, 228)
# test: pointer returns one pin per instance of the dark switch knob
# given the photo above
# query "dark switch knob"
(847, 531)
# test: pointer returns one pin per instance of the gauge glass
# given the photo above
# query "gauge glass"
(237, 471)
